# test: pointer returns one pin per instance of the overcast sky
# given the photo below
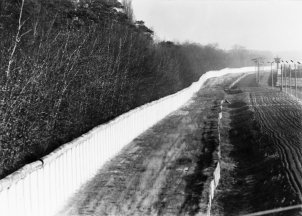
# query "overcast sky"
(266, 25)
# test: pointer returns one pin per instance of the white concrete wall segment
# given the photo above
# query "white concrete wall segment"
(40, 189)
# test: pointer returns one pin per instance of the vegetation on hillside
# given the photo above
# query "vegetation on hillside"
(66, 67)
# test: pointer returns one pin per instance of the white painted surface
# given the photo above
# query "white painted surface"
(42, 189)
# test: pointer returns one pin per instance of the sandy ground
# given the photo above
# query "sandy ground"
(261, 151)
(166, 170)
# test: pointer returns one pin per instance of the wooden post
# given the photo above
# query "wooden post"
(298, 75)
(296, 80)
(282, 71)
(286, 78)
(290, 79)
(277, 60)
(258, 71)
(272, 74)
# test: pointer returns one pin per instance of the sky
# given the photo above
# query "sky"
(274, 25)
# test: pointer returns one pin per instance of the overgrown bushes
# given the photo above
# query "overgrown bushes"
(66, 67)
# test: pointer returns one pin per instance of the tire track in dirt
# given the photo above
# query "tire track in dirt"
(285, 143)
(276, 137)
(288, 144)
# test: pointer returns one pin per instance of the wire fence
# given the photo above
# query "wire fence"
(289, 80)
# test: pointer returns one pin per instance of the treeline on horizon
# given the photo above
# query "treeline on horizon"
(67, 67)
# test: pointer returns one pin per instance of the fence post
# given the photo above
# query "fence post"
(272, 75)
(282, 71)
(295, 80)
(285, 77)
(290, 79)
(299, 74)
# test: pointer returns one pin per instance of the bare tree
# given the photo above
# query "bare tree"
(16, 42)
